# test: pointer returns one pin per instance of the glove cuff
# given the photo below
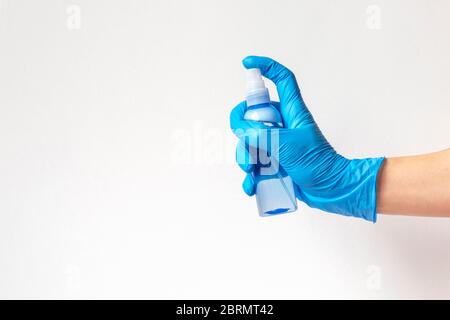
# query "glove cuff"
(352, 191)
(367, 169)
(360, 200)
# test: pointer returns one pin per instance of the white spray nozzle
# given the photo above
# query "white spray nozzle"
(257, 92)
(254, 80)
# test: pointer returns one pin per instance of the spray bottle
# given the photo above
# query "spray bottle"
(274, 188)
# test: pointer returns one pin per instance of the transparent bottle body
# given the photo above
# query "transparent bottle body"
(274, 193)
(274, 188)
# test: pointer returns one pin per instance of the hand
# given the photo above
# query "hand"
(323, 178)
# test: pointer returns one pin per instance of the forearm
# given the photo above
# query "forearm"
(415, 185)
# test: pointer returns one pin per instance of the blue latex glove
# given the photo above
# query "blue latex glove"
(323, 178)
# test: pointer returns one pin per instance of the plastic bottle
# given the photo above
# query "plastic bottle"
(274, 188)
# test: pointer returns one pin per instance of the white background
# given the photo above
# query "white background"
(117, 177)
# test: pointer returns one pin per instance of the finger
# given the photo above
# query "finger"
(238, 122)
(246, 130)
(298, 192)
(292, 107)
(249, 185)
(244, 158)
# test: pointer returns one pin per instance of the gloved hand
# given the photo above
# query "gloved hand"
(323, 179)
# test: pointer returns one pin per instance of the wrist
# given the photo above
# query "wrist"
(363, 186)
